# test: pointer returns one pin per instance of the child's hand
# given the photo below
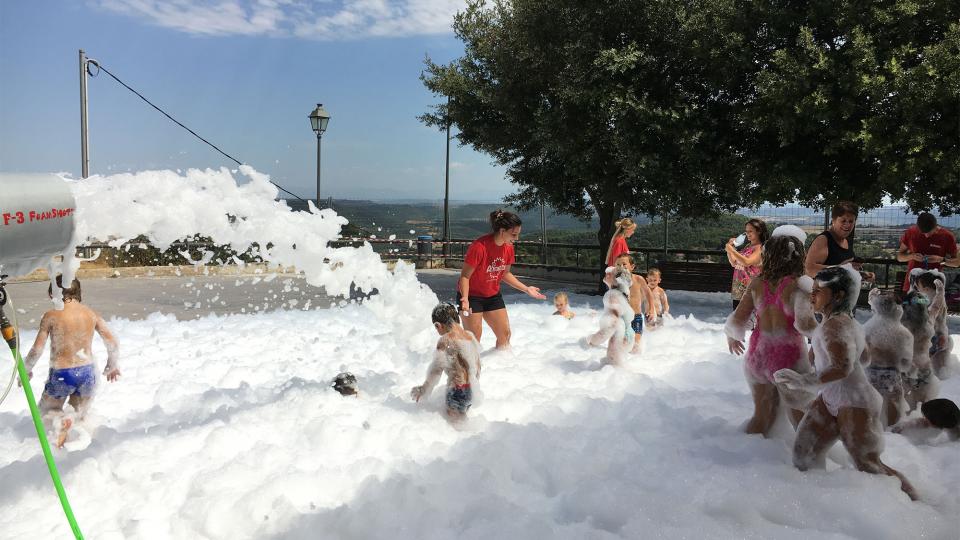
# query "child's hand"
(796, 381)
(112, 374)
(735, 346)
(416, 393)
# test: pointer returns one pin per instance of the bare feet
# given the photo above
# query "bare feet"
(65, 426)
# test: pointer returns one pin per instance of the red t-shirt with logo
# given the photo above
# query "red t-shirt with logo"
(941, 243)
(618, 248)
(489, 261)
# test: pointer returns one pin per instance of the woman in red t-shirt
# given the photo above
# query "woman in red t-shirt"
(618, 244)
(485, 265)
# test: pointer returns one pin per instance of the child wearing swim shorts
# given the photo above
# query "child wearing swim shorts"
(458, 355)
(72, 377)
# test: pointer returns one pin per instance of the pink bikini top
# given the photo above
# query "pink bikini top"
(775, 298)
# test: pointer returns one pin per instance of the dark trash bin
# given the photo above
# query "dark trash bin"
(424, 246)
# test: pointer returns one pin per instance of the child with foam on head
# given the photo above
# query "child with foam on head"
(639, 294)
(778, 297)
(458, 355)
(562, 302)
(930, 283)
(660, 301)
(617, 319)
(888, 356)
(72, 377)
(919, 317)
(847, 407)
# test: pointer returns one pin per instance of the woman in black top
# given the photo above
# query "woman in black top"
(834, 246)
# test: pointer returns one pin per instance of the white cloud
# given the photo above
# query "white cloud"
(319, 19)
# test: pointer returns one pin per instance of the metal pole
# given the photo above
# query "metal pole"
(446, 188)
(665, 234)
(84, 154)
(543, 234)
(318, 170)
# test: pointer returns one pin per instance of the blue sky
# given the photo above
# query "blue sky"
(244, 74)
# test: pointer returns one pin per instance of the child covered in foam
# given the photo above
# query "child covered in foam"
(847, 407)
(919, 317)
(779, 298)
(617, 318)
(458, 355)
(889, 353)
(930, 283)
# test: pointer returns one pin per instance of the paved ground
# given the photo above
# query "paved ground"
(196, 296)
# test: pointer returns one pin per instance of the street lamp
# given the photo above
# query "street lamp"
(319, 119)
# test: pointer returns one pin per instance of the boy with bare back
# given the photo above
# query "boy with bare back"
(640, 294)
(72, 374)
(458, 355)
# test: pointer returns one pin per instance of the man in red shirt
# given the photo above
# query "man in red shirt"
(927, 245)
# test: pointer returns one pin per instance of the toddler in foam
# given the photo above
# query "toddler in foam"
(458, 355)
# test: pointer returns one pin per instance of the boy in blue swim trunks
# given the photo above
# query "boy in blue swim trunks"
(458, 355)
(640, 294)
(72, 377)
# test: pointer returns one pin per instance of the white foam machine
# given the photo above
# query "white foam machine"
(36, 220)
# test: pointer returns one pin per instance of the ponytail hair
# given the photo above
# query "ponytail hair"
(501, 220)
(622, 225)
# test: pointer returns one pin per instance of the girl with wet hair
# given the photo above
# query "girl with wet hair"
(778, 297)
(487, 263)
(847, 407)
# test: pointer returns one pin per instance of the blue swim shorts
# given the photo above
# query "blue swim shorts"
(637, 324)
(79, 381)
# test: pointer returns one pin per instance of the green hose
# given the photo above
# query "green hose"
(45, 445)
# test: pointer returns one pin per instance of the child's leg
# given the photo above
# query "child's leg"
(862, 436)
(766, 401)
(81, 404)
(608, 326)
(815, 435)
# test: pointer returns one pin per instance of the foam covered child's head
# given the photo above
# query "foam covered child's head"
(444, 316)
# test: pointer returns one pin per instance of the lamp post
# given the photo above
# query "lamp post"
(319, 119)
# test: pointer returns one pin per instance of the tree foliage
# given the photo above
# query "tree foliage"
(694, 107)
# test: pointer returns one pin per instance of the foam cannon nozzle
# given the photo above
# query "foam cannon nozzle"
(36, 220)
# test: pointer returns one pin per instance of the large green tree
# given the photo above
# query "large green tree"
(596, 106)
(857, 100)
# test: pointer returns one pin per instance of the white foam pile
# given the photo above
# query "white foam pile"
(226, 428)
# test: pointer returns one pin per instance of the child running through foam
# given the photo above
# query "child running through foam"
(847, 406)
(639, 294)
(458, 355)
(660, 301)
(782, 310)
(562, 302)
(72, 377)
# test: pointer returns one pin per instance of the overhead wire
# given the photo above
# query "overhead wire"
(92, 62)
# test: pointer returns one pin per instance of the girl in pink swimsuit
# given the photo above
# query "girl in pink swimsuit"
(775, 343)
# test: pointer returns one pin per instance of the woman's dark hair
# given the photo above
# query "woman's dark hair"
(843, 208)
(761, 227)
(70, 293)
(501, 220)
(445, 315)
(838, 279)
(782, 256)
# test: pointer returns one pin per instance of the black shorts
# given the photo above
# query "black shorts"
(479, 304)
